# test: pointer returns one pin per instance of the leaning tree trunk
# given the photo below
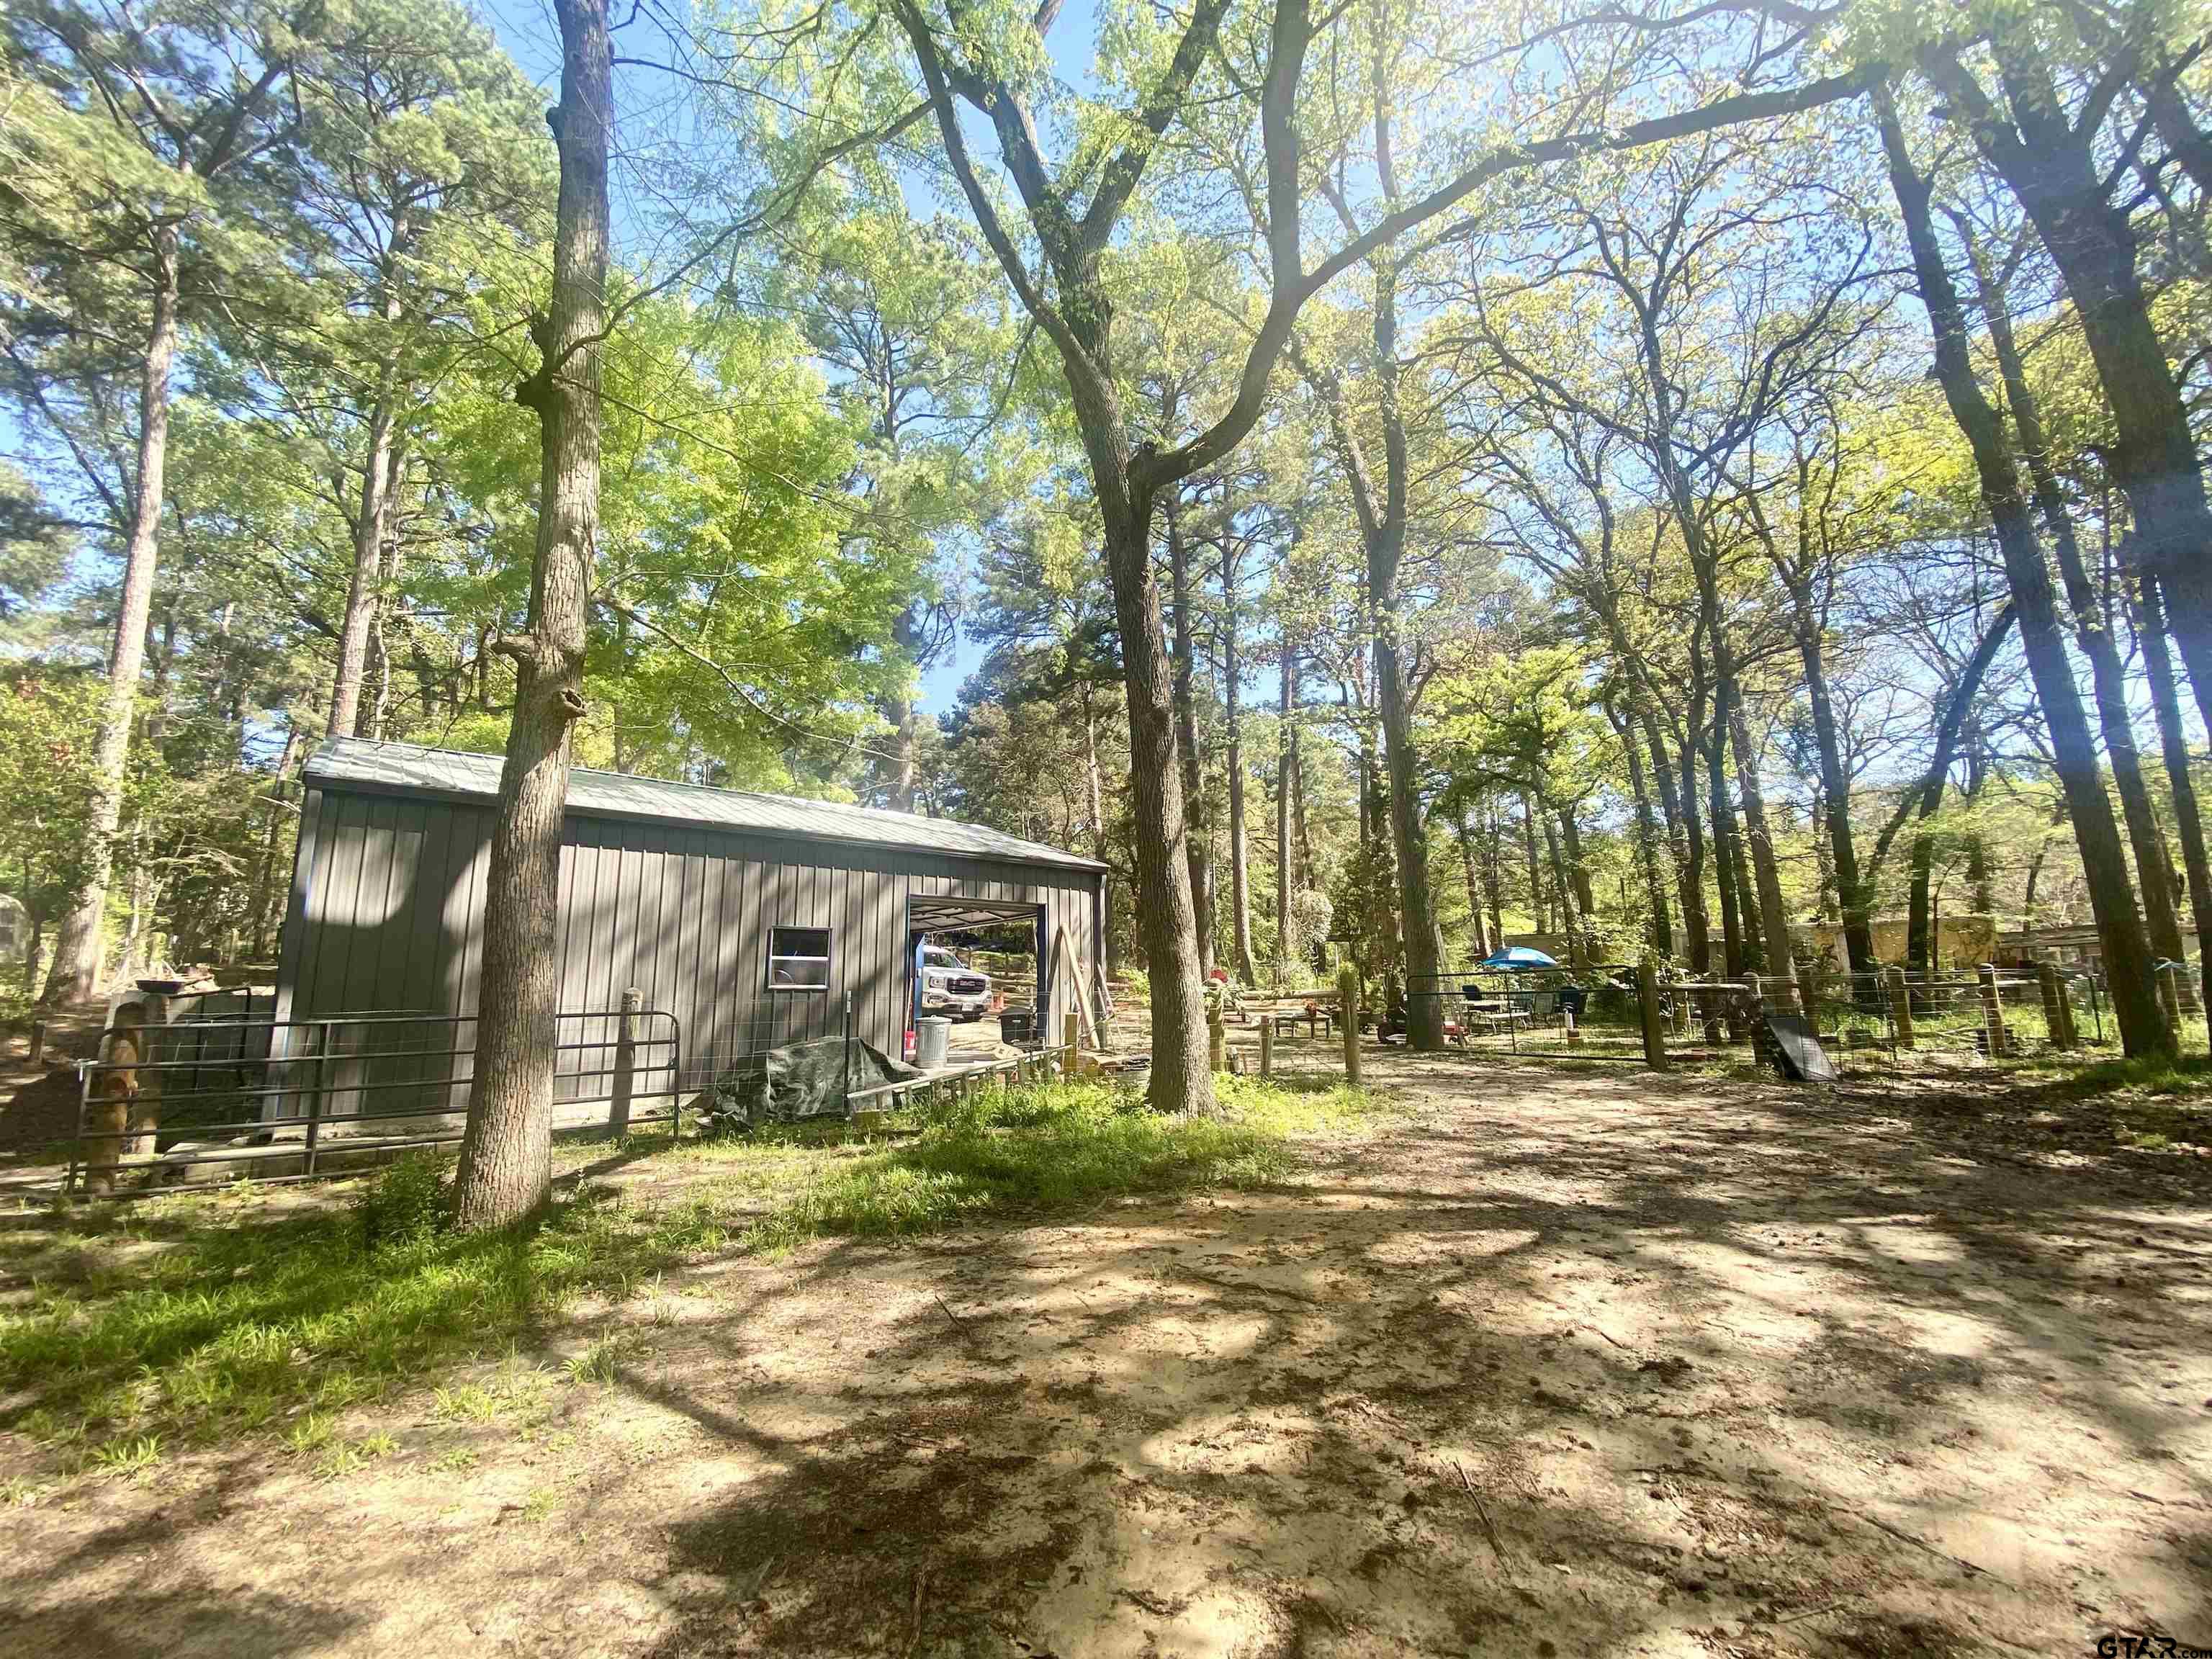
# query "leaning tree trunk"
(2120, 929)
(507, 1150)
(2092, 628)
(2054, 169)
(77, 949)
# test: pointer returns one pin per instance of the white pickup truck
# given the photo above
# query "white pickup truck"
(950, 986)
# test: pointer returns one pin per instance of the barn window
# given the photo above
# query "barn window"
(799, 958)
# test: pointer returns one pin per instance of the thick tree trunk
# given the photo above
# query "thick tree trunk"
(1166, 863)
(2120, 930)
(1425, 1014)
(76, 973)
(1199, 854)
(2092, 628)
(1240, 856)
(507, 1150)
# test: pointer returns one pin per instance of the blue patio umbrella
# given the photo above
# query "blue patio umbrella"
(1518, 956)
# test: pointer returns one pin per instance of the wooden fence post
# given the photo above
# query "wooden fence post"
(625, 1064)
(1647, 1009)
(1071, 1029)
(1217, 1034)
(1900, 1005)
(2055, 1011)
(1347, 1009)
(1268, 1044)
(1808, 993)
(1992, 1010)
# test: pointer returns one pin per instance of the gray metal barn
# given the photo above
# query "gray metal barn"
(747, 917)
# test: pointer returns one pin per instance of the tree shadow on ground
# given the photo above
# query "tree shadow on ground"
(1572, 1362)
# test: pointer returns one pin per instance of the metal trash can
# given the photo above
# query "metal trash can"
(930, 1038)
(1017, 1027)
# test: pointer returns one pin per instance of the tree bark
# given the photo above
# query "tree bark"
(506, 1149)
(1240, 866)
(1854, 896)
(75, 972)
(1199, 854)
(2126, 946)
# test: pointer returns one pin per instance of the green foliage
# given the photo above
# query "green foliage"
(405, 1204)
(49, 723)
(1048, 1149)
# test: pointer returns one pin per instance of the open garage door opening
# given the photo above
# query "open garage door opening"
(984, 964)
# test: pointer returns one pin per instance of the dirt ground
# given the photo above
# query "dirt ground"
(1555, 1362)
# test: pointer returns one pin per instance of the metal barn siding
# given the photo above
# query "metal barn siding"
(386, 909)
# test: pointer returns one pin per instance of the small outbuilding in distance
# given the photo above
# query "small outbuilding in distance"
(749, 918)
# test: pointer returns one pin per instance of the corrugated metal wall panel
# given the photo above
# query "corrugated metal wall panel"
(387, 903)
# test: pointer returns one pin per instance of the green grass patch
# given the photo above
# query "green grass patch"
(1034, 1150)
(2184, 1075)
(234, 1324)
(183, 1319)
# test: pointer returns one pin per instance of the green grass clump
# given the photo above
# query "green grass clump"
(2151, 1074)
(235, 1325)
(1044, 1149)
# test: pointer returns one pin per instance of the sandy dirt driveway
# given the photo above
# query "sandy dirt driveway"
(1547, 1363)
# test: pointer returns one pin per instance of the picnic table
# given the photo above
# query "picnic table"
(1499, 1013)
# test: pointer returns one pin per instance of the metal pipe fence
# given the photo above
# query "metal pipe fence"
(295, 1099)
